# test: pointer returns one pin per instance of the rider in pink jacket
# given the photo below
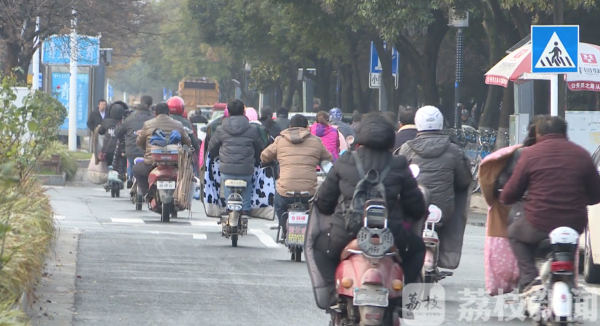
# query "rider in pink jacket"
(329, 134)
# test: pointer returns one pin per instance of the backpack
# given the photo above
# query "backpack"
(369, 187)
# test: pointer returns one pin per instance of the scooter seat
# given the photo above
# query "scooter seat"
(235, 183)
(353, 245)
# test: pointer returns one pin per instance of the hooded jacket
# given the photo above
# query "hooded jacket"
(238, 145)
(403, 197)
(108, 127)
(443, 165)
(298, 153)
(329, 136)
(128, 128)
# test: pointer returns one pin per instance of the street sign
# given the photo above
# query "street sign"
(554, 49)
(164, 93)
(110, 91)
(56, 50)
(60, 85)
(376, 64)
(375, 80)
(170, 94)
(40, 80)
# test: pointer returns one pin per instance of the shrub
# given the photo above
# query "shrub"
(26, 219)
(67, 159)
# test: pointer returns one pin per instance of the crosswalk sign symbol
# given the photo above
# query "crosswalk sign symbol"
(554, 49)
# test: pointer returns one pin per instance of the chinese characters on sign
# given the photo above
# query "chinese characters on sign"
(61, 85)
(56, 50)
(426, 309)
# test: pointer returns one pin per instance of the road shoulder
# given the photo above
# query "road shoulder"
(54, 294)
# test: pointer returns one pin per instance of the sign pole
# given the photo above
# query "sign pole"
(554, 95)
(73, 86)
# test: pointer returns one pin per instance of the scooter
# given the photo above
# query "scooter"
(296, 223)
(369, 279)
(297, 218)
(555, 301)
(136, 199)
(233, 224)
(430, 273)
(115, 184)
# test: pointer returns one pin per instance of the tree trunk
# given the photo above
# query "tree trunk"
(10, 60)
(493, 23)
(291, 88)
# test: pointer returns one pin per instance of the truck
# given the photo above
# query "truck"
(198, 93)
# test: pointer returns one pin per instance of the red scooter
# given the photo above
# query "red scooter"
(369, 279)
(162, 182)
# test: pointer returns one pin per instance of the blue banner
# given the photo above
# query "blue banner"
(60, 89)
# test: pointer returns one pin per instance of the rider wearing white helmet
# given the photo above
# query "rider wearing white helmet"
(444, 168)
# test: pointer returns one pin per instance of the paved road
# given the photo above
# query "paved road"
(133, 270)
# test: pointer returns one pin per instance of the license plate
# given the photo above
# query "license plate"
(165, 185)
(296, 234)
(297, 218)
(368, 297)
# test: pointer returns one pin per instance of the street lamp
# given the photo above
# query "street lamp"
(460, 21)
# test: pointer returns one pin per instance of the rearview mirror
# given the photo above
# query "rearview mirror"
(414, 169)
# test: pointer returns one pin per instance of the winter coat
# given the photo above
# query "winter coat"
(282, 122)
(298, 153)
(355, 126)
(164, 123)
(108, 127)
(406, 133)
(128, 128)
(330, 138)
(404, 199)
(272, 128)
(561, 181)
(238, 145)
(95, 119)
(444, 167)
(343, 127)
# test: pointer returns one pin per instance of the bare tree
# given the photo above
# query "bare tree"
(118, 21)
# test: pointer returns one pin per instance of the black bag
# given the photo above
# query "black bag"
(369, 187)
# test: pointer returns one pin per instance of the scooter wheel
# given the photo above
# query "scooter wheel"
(234, 239)
(138, 206)
(112, 193)
(117, 193)
(165, 215)
(174, 214)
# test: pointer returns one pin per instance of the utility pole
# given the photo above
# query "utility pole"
(73, 86)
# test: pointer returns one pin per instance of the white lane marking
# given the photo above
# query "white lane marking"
(200, 236)
(59, 217)
(128, 220)
(52, 187)
(205, 223)
(270, 225)
(265, 238)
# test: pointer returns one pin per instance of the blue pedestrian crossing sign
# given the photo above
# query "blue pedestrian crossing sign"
(554, 49)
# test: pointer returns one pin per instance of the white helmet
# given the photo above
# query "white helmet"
(429, 118)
